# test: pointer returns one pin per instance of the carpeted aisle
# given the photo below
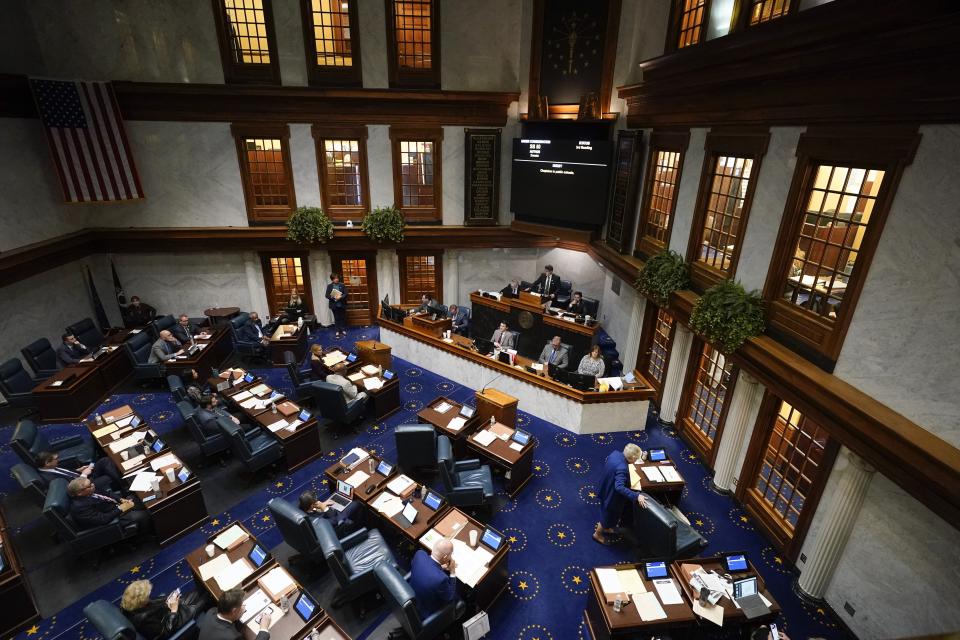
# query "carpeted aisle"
(549, 525)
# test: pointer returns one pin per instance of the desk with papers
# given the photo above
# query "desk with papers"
(288, 337)
(653, 606)
(444, 414)
(659, 479)
(494, 442)
(361, 474)
(384, 394)
(390, 501)
(725, 612)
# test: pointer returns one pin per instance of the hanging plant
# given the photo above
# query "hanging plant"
(384, 224)
(307, 225)
(663, 274)
(726, 315)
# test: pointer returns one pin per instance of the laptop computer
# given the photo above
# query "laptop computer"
(342, 496)
(746, 595)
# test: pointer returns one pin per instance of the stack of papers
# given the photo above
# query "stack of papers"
(277, 583)
(430, 538)
(388, 504)
(653, 474)
(334, 358)
(231, 538)
(615, 383)
(634, 477)
(132, 462)
(233, 575)
(471, 563)
(357, 377)
(443, 407)
(125, 443)
(260, 389)
(516, 446)
(670, 473)
(484, 438)
(667, 590)
(372, 384)
(631, 581)
(253, 605)
(357, 479)
(400, 485)
(456, 423)
(166, 460)
(212, 567)
(371, 369)
(648, 606)
(99, 433)
(279, 424)
(609, 581)
(143, 481)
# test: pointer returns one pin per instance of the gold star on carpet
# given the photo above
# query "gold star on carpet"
(512, 539)
(266, 518)
(537, 468)
(33, 630)
(561, 535)
(549, 498)
(743, 518)
(135, 569)
(577, 579)
(215, 522)
(576, 465)
(699, 523)
(566, 439)
(523, 585)
(279, 485)
(820, 610)
(325, 481)
(777, 559)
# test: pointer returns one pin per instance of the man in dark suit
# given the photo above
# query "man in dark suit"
(512, 290)
(615, 492)
(459, 320)
(103, 472)
(223, 621)
(184, 330)
(432, 578)
(71, 351)
(253, 332)
(206, 416)
(138, 314)
(577, 305)
(546, 285)
(344, 522)
(91, 509)
(165, 348)
(426, 301)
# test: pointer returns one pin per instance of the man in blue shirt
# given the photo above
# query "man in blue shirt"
(429, 580)
(615, 491)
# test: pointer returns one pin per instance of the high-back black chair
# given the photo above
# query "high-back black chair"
(466, 483)
(660, 534)
(16, 384)
(28, 442)
(590, 306)
(564, 293)
(109, 621)
(87, 334)
(403, 602)
(353, 559)
(29, 480)
(329, 401)
(416, 446)
(161, 324)
(256, 451)
(299, 377)
(210, 445)
(41, 357)
(244, 348)
(297, 529)
(175, 384)
(56, 509)
(138, 351)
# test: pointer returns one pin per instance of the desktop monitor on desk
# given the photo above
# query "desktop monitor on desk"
(581, 381)
(484, 346)
(438, 313)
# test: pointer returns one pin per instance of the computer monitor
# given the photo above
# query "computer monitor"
(384, 468)
(744, 588)
(439, 312)
(257, 555)
(304, 416)
(351, 357)
(184, 474)
(483, 345)
(656, 455)
(580, 381)
(432, 500)
(249, 377)
(387, 374)
(491, 538)
(521, 437)
(504, 357)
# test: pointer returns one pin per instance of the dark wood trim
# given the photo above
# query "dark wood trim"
(856, 62)
(257, 214)
(431, 134)
(660, 140)
(685, 427)
(437, 272)
(238, 73)
(609, 54)
(743, 9)
(323, 132)
(536, 54)
(306, 292)
(745, 143)
(624, 190)
(891, 149)
(330, 76)
(406, 77)
(33, 259)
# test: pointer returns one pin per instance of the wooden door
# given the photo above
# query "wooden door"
(655, 344)
(281, 275)
(358, 271)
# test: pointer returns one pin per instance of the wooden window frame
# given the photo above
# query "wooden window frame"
(336, 259)
(685, 427)
(891, 150)
(669, 141)
(742, 9)
(789, 545)
(673, 31)
(255, 216)
(402, 255)
(321, 133)
(743, 143)
(307, 291)
(326, 75)
(402, 77)
(647, 339)
(424, 215)
(239, 73)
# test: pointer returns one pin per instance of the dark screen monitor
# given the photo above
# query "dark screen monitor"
(657, 455)
(483, 345)
(432, 500)
(305, 607)
(504, 357)
(580, 381)
(257, 555)
(654, 570)
(736, 562)
(439, 312)
(491, 538)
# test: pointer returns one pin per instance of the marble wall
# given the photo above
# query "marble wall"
(687, 191)
(481, 48)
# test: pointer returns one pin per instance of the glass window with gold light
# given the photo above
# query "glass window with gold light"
(709, 393)
(728, 186)
(693, 19)
(767, 10)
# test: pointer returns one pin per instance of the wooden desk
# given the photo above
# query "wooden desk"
(375, 353)
(519, 464)
(604, 623)
(177, 508)
(441, 422)
(79, 391)
(731, 612)
(288, 337)
(327, 628)
(216, 348)
(199, 556)
(107, 437)
(425, 520)
(19, 608)
(383, 401)
(670, 491)
(289, 624)
(423, 322)
(221, 315)
(497, 404)
(372, 484)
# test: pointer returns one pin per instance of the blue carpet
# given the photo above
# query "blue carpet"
(549, 524)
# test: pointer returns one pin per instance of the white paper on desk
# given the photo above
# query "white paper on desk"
(399, 484)
(252, 403)
(371, 369)
(236, 573)
(132, 462)
(279, 424)
(229, 537)
(631, 581)
(516, 446)
(430, 538)
(653, 474)
(667, 590)
(334, 358)
(609, 580)
(122, 422)
(456, 423)
(670, 473)
(443, 407)
(277, 581)
(253, 605)
(243, 395)
(202, 346)
(134, 332)
(99, 433)
(212, 567)
(164, 461)
(357, 478)
(388, 504)
(711, 612)
(372, 384)
(259, 390)
(470, 565)
(142, 481)
(293, 425)
(485, 437)
(357, 377)
(648, 606)
(615, 383)
(634, 477)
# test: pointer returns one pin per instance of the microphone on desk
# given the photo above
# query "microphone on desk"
(495, 378)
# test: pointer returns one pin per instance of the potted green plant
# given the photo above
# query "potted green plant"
(384, 224)
(663, 274)
(307, 225)
(726, 315)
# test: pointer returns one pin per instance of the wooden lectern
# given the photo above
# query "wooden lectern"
(503, 407)
(375, 353)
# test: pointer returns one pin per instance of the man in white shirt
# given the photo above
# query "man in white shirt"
(350, 392)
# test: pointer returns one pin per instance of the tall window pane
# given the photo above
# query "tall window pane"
(662, 191)
(766, 10)
(692, 20)
(412, 23)
(287, 275)
(342, 166)
(660, 349)
(709, 393)
(416, 167)
(721, 227)
(331, 32)
(247, 31)
(267, 172)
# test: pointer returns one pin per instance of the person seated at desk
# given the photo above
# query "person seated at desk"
(426, 301)
(503, 338)
(223, 621)
(210, 409)
(349, 389)
(615, 492)
(344, 522)
(165, 348)
(555, 353)
(184, 330)
(253, 332)
(432, 578)
(71, 351)
(318, 368)
(546, 285)
(91, 509)
(763, 633)
(138, 314)
(103, 472)
(459, 320)
(158, 618)
(512, 290)
(194, 386)
(295, 305)
(577, 306)
(592, 364)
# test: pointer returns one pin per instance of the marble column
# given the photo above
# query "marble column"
(741, 416)
(256, 288)
(320, 269)
(628, 350)
(673, 385)
(838, 522)
(451, 277)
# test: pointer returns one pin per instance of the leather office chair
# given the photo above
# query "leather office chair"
(138, 351)
(29, 479)
(175, 384)
(299, 377)
(16, 384)
(590, 306)
(209, 445)
(87, 334)
(41, 357)
(56, 509)
(564, 293)
(400, 596)
(661, 534)
(256, 450)
(28, 442)
(298, 530)
(109, 621)
(161, 324)
(242, 347)
(416, 446)
(466, 483)
(329, 401)
(353, 559)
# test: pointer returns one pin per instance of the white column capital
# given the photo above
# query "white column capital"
(854, 459)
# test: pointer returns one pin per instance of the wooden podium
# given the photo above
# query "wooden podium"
(375, 353)
(501, 406)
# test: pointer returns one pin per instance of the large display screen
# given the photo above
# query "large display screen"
(561, 182)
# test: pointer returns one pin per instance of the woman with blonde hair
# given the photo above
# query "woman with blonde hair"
(157, 618)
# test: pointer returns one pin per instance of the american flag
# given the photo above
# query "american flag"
(85, 132)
